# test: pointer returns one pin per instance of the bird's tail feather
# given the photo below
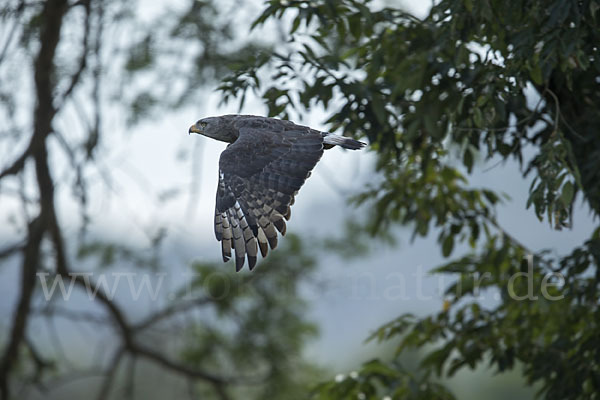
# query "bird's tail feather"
(342, 141)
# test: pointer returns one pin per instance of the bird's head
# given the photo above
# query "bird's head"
(201, 126)
(214, 127)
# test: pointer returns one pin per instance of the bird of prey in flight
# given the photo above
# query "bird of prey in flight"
(261, 170)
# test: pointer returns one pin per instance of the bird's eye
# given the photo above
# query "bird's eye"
(203, 124)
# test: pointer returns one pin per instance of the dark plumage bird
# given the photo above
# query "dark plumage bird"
(260, 172)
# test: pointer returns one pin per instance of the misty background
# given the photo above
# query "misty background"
(162, 185)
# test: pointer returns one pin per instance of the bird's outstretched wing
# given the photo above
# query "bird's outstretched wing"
(259, 175)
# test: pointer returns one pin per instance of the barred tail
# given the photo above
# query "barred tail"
(345, 142)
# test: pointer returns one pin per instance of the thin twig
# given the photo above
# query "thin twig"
(559, 114)
(112, 368)
(169, 311)
(16, 26)
(72, 376)
(517, 124)
(130, 382)
(71, 315)
(40, 363)
(56, 342)
(17, 165)
(179, 368)
(11, 249)
(84, 55)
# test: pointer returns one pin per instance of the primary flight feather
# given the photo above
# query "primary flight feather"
(260, 172)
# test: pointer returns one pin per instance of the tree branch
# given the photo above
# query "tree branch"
(46, 222)
(182, 369)
(38, 360)
(17, 165)
(131, 346)
(17, 25)
(127, 331)
(52, 17)
(116, 313)
(130, 383)
(110, 375)
(10, 250)
(170, 311)
(75, 316)
(19, 322)
(84, 53)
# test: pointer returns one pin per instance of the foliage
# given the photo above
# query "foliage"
(472, 79)
(179, 52)
(377, 380)
(259, 326)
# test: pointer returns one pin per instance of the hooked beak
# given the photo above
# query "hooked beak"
(194, 129)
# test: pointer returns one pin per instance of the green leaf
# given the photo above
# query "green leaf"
(468, 160)
(567, 193)
(447, 245)
(536, 74)
(478, 118)
(295, 24)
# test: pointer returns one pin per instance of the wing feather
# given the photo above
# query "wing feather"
(262, 243)
(226, 239)
(238, 240)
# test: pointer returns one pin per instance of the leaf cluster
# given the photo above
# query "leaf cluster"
(472, 80)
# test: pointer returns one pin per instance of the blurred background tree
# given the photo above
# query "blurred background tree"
(70, 70)
(471, 80)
